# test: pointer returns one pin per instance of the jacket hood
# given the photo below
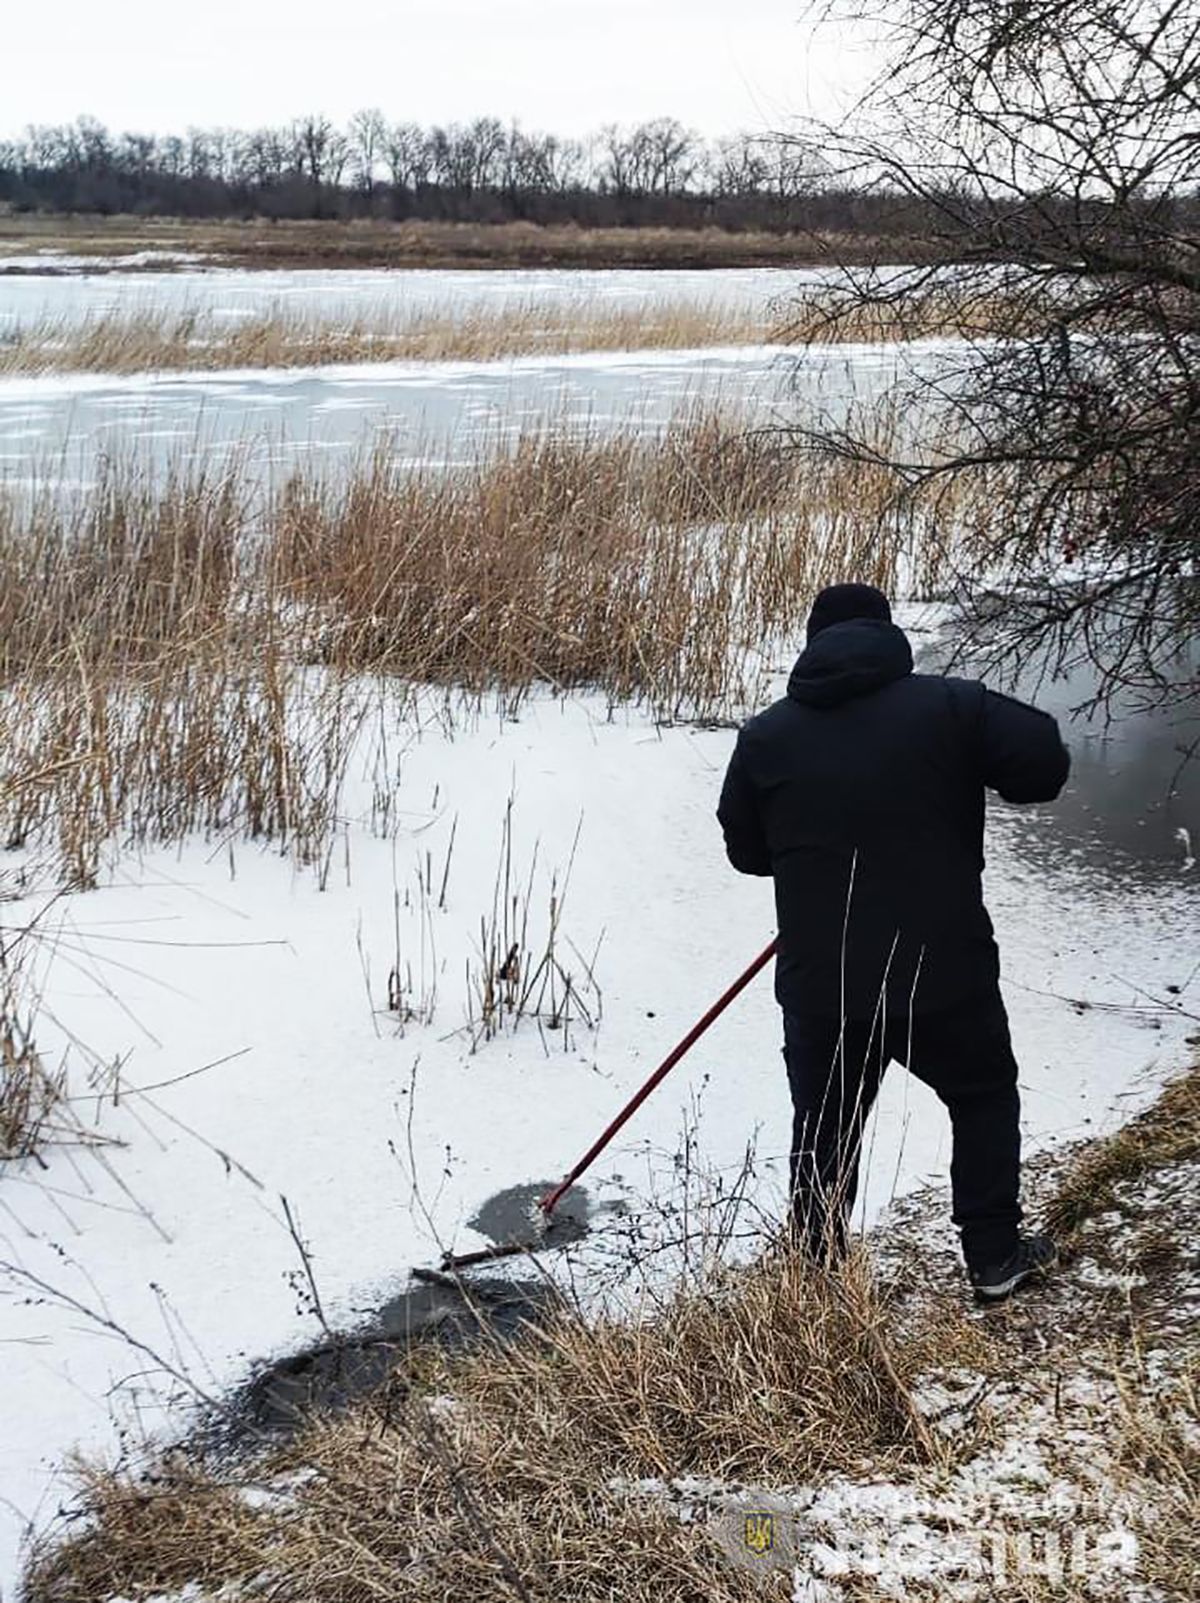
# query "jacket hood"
(850, 659)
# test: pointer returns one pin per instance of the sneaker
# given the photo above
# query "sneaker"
(1032, 1257)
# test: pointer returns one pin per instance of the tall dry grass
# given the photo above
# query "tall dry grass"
(146, 685)
(645, 567)
(290, 242)
(31, 1093)
(886, 316)
(138, 342)
(195, 651)
(143, 342)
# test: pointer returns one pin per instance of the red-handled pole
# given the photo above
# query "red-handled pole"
(552, 1198)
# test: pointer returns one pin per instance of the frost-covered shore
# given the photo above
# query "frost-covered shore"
(169, 1221)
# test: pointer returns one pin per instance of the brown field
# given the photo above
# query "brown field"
(428, 244)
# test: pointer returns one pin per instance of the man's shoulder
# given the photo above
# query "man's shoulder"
(971, 694)
(948, 688)
(947, 684)
(922, 688)
(768, 718)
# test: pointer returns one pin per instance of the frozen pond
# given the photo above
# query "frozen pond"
(428, 408)
(56, 425)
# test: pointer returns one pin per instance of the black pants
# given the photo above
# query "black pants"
(965, 1056)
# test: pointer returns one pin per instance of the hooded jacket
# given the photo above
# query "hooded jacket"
(861, 792)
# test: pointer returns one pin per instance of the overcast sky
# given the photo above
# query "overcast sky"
(561, 65)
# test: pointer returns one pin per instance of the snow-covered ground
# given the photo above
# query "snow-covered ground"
(385, 1138)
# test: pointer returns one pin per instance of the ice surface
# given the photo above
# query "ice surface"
(350, 293)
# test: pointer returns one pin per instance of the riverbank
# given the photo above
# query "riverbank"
(28, 243)
(769, 1431)
(239, 1028)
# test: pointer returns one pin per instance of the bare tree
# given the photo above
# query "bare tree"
(320, 155)
(137, 153)
(660, 157)
(408, 156)
(366, 134)
(1052, 150)
(617, 161)
(737, 166)
(94, 142)
(671, 156)
(487, 143)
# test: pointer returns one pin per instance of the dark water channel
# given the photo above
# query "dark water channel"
(452, 1310)
(1131, 806)
(1132, 803)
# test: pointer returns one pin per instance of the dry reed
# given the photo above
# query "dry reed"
(834, 316)
(192, 341)
(145, 342)
(1161, 1446)
(194, 652)
(30, 1094)
(1166, 1132)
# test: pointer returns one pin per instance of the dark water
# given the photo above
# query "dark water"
(512, 1215)
(336, 1372)
(1133, 797)
(1131, 806)
(451, 1310)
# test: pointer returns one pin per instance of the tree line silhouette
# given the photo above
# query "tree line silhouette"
(653, 174)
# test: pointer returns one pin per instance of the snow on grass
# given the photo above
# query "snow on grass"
(54, 385)
(1061, 1459)
(234, 293)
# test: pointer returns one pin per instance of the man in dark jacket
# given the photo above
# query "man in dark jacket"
(861, 793)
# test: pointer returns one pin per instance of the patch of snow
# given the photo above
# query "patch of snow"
(60, 261)
(894, 1536)
(442, 1406)
(38, 385)
(1106, 1279)
(191, 1593)
(279, 1494)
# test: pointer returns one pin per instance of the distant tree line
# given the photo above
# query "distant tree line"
(656, 173)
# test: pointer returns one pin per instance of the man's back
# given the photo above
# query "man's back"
(861, 792)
